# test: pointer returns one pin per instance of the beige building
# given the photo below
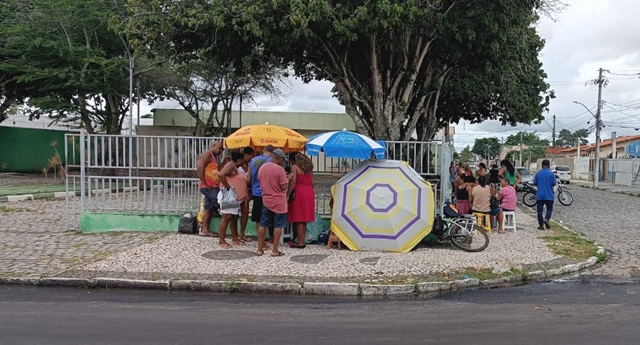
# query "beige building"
(176, 122)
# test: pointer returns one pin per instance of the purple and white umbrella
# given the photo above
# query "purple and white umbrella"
(382, 205)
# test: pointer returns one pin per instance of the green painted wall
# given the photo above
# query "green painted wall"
(28, 149)
(101, 222)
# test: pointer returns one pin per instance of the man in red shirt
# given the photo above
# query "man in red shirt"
(274, 183)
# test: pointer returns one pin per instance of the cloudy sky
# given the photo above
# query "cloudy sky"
(586, 36)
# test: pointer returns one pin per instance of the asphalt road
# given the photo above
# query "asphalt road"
(576, 312)
(609, 218)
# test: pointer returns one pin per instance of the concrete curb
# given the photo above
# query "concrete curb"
(310, 288)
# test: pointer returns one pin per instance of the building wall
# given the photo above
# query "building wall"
(295, 120)
(28, 149)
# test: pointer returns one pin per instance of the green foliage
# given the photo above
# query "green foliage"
(398, 66)
(197, 86)
(527, 138)
(486, 147)
(534, 147)
(67, 61)
(466, 156)
(567, 139)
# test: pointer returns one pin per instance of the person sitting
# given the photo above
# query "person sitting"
(508, 200)
(480, 198)
(462, 194)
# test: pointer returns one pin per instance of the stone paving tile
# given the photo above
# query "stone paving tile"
(34, 242)
(29, 254)
(40, 215)
(611, 219)
(184, 255)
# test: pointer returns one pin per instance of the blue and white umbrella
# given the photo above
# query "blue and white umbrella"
(345, 144)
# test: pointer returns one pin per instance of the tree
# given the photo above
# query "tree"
(200, 87)
(567, 139)
(12, 92)
(390, 61)
(466, 156)
(534, 146)
(67, 61)
(486, 147)
(531, 139)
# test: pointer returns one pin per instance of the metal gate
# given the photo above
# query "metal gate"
(157, 174)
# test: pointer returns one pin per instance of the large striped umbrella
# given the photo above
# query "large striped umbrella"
(382, 205)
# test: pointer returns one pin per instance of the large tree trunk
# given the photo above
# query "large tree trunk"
(400, 95)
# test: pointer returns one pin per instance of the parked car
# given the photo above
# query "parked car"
(562, 172)
(526, 177)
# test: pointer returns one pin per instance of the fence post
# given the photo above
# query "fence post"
(82, 168)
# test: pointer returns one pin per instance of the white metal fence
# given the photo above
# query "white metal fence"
(157, 174)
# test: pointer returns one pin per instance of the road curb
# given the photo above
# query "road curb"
(308, 288)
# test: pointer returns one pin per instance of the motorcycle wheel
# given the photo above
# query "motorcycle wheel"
(529, 199)
(565, 198)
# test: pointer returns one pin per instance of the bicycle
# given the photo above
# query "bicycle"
(529, 197)
(461, 229)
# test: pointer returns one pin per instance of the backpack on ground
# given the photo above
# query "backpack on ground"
(188, 224)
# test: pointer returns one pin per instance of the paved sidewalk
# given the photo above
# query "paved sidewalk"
(34, 245)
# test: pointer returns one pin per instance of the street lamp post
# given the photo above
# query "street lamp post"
(596, 172)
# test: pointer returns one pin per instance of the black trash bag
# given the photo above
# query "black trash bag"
(188, 224)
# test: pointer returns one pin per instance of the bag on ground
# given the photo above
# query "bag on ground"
(188, 224)
(314, 229)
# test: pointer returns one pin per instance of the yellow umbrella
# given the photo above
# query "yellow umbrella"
(259, 136)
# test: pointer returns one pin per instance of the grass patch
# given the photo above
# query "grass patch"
(569, 244)
(7, 209)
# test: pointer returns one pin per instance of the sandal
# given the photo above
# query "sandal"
(277, 254)
(295, 245)
(259, 253)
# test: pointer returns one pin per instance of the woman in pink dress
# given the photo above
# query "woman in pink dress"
(302, 209)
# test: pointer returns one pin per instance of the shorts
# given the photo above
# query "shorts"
(256, 209)
(495, 211)
(233, 210)
(270, 218)
(210, 198)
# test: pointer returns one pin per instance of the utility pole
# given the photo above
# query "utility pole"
(614, 145)
(600, 82)
(520, 162)
(553, 133)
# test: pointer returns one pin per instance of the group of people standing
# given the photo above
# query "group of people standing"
(277, 198)
(474, 192)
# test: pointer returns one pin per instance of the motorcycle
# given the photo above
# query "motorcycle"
(529, 197)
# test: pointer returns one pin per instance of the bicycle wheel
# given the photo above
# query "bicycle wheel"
(474, 240)
(529, 199)
(565, 198)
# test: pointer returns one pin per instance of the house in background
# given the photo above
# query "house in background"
(606, 148)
